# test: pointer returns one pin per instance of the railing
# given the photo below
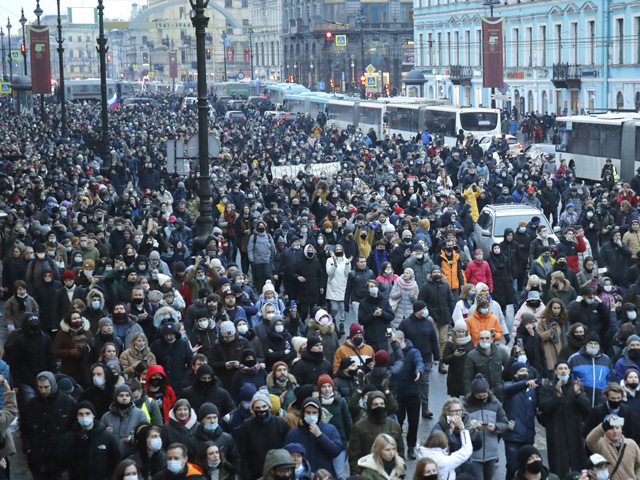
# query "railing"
(460, 72)
(566, 71)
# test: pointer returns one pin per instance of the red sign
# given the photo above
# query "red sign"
(40, 60)
(492, 52)
(229, 54)
(409, 56)
(247, 54)
(173, 64)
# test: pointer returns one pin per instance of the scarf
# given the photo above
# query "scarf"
(405, 286)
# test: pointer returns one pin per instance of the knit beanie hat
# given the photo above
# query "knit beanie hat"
(381, 358)
(418, 306)
(324, 378)
(515, 366)
(276, 365)
(460, 325)
(525, 454)
(479, 384)
(354, 329)
(207, 408)
(262, 395)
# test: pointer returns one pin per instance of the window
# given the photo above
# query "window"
(603, 141)
(449, 47)
(620, 40)
(591, 30)
(467, 47)
(515, 42)
(406, 13)
(542, 42)
(377, 12)
(637, 102)
(440, 121)
(478, 61)
(400, 118)
(245, 4)
(529, 46)
(430, 48)
(439, 47)
(574, 43)
(228, 3)
(421, 50)
(619, 100)
(478, 121)
(558, 49)
(456, 46)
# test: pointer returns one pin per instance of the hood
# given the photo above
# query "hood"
(155, 369)
(52, 379)
(64, 326)
(95, 292)
(276, 458)
(372, 395)
(204, 369)
(193, 419)
(507, 231)
(165, 313)
(169, 327)
(625, 308)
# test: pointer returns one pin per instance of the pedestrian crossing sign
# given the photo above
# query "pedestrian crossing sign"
(341, 40)
(372, 81)
(5, 87)
(15, 54)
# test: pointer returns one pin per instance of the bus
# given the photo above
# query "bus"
(87, 89)
(408, 119)
(277, 91)
(586, 141)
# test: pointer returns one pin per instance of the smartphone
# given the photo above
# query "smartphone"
(602, 270)
(389, 331)
(293, 304)
(460, 349)
(617, 422)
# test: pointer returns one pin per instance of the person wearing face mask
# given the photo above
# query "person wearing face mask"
(354, 347)
(138, 352)
(420, 262)
(312, 281)
(592, 367)
(210, 431)
(622, 453)
(277, 342)
(479, 270)
(122, 418)
(533, 305)
(204, 334)
(487, 359)
(150, 456)
(520, 404)
(278, 465)
(321, 440)
(364, 432)
(630, 358)
(259, 436)
(90, 449)
(41, 263)
(281, 383)
(249, 371)
(589, 309)
(62, 300)
(173, 353)
(482, 318)
(613, 405)
(284, 265)
(530, 466)
(72, 345)
(16, 306)
(177, 466)
(528, 344)
(312, 363)
(260, 248)
(376, 315)
(206, 388)
(95, 308)
(488, 417)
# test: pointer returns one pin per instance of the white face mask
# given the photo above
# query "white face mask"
(203, 324)
(279, 328)
(243, 329)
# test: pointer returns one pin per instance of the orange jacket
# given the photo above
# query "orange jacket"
(477, 322)
(452, 271)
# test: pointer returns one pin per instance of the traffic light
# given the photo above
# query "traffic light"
(363, 80)
(108, 58)
(328, 37)
(292, 79)
(386, 89)
(331, 82)
(23, 48)
(208, 54)
(145, 57)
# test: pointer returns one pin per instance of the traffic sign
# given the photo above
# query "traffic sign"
(372, 81)
(240, 75)
(370, 69)
(15, 54)
(193, 147)
(341, 40)
(227, 42)
(320, 85)
(5, 87)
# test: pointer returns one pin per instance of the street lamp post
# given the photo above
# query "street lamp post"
(63, 106)
(205, 220)
(23, 22)
(10, 59)
(360, 19)
(4, 74)
(251, 50)
(102, 50)
(38, 11)
(224, 52)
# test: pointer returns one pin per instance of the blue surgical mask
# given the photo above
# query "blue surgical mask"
(425, 313)
(210, 427)
(246, 405)
(95, 304)
(85, 421)
(155, 444)
(175, 466)
(373, 291)
(522, 358)
(563, 378)
(98, 381)
(483, 311)
(309, 419)
(485, 345)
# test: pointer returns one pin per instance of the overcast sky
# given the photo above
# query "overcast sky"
(113, 9)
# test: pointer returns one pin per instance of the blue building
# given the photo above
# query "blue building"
(559, 56)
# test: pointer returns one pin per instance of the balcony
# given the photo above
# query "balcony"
(566, 75)
(460, 75)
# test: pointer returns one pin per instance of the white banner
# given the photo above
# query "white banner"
(316, 168)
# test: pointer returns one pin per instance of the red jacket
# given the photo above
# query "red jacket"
(477, 272)
(168, 398)
(630, 197)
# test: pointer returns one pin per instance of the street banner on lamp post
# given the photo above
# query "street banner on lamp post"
(173, 64)
(492, 52)
(40, 59)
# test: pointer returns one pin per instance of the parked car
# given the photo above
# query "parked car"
(494, 219)
(514, 145)
(235, 116)
(132, 102)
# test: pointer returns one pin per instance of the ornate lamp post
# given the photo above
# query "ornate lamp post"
(23, 22)
(10, 60)
(4, 71)
(205, 220)
(105, 154)
(63, 106)
(38, 11)
(224, 51)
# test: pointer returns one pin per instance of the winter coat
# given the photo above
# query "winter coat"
(420, 266)
(345, 385)
(479, 272)
(337, 273)
(255, 375)
(225, 442)
(90, 453)
(175, 432)
(630, 464)
(255, 438)
(14, 314)
(361, 355)
(308, 369)
(8, 414)
(492, 412)
(552, 343)
(260, 247)
(123, 423)
(520, 405)
(478, 322)
(202, 392)
(356, 290)
(132, 356)
(448, 462)
(535, 351)
(375, 327)
(174, 357)
(616, 259)
(401, 301)
(364, 433)
(165, 397)
(423, 336)
(67, 340)
(330, 342)
(490, 364)
(275, 346)
(524, 308)
(315, 279)
(595, 316)
(320, 450)
(455, 388)
(339, 416)
(405, 379)
(224, 352)
(501, 274)
(29, 354)
(289, 390)
(593, 372)
(451, 269)
(623, 364)
(371, 471)
(439, 299)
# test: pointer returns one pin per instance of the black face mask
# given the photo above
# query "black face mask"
(123, 406)
(155, 382)
(205, 385)
(634, 354)
(379, 413)
(523, 377)
(632, 386)
(433, 476)
(613, 405)
(250, 363)
(339, 254)
(262, 414)
(579, 337)
(562, 266)
(138, 301)
(534, 467)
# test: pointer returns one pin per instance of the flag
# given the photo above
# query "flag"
(114, 102)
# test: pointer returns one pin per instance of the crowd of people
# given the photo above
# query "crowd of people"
(297, 339)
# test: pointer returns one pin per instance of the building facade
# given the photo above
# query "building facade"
(265, 18)
(559, 56)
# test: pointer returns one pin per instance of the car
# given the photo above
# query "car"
(277, 115)
(235, 104)
(192, 102)
(133, 102)
(235, 116)
(494, 219)
(514, 145)
(544, 148)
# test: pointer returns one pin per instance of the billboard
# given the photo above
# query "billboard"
(83, 16)
(492, 52)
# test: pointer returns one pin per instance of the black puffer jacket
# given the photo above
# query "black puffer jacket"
(90, 453)
(315, 279)
(311, 365)
(439, 299)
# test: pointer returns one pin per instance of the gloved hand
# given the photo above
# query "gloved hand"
(507, 338)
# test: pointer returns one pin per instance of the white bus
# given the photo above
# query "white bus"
(586, 141)
(444, 120)
(87, 89)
